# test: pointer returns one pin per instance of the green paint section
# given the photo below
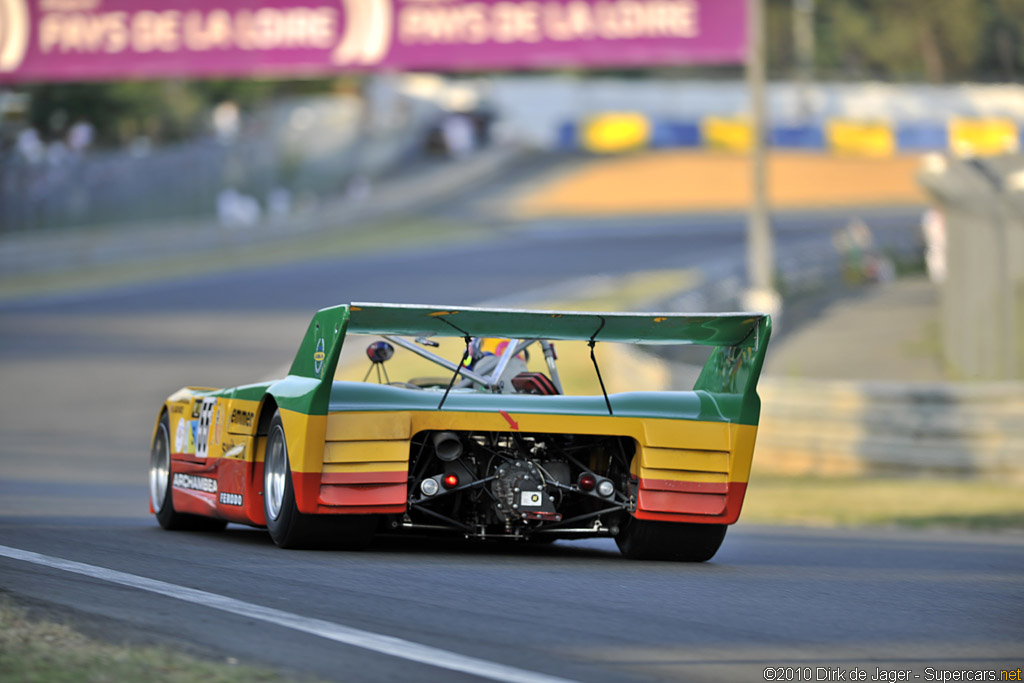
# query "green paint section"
(307, 389)
(684, 405)
(249, 392)
(724, 329)
(731, 374)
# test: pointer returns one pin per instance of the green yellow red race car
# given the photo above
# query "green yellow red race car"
(490, 449)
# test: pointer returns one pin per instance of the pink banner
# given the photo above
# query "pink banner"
(72, 40)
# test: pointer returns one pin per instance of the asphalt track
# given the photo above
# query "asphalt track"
(83, 373)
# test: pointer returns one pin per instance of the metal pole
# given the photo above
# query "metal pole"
(761, 294)
(1008, 329)
(803, 46)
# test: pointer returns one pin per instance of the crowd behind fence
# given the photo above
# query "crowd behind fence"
(289, 154)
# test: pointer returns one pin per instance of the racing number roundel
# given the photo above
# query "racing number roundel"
(205, 418)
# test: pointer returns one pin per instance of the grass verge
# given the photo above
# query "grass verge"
(35, 650)
(918, 502)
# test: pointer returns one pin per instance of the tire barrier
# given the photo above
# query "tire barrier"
(616, 132)
(859, 138)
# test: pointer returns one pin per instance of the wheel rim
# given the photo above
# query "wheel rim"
(159, 469)
(275, 472)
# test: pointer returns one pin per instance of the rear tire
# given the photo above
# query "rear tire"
(160, 488)
(293, 529)
(642, 539)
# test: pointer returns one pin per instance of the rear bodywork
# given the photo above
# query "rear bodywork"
(350, 443)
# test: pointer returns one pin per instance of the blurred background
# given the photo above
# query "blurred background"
(156, 232)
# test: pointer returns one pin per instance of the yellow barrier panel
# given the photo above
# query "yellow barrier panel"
(731, 134)
(615, 132)
(982, 137)
(856, 138)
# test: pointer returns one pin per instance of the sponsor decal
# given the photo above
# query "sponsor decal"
(242, 418)
(319, 356)
(180, 438)
(229, 450)
(203, 432)
(218, 431)
(530, 499)
(185, 436)
(177, 409)
(230, 498)
(195, 483)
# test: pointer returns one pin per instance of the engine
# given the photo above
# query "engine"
(519, 493)
(518, 485)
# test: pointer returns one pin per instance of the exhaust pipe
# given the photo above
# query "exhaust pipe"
(447, 446)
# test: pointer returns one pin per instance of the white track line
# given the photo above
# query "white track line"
(388, 645)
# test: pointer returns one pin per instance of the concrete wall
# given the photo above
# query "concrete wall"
(982, 211)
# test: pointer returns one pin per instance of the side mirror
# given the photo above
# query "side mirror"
(380, 351)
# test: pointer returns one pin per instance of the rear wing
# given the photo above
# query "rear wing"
(740, 339)
(725, 329)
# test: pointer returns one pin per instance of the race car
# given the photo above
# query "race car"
(490, 449)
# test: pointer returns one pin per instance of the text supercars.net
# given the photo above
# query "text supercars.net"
(838, 673)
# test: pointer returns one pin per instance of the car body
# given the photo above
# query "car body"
(507, 455)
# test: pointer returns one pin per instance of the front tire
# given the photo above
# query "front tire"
(160, 487)
(293, 529)
(642, 539)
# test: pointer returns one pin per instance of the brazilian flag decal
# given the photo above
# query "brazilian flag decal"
(319, 356)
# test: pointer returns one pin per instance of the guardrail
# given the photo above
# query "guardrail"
(844, 427)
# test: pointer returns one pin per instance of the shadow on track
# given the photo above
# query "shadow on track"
(423, 546)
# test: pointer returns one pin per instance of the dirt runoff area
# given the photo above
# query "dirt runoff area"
(676, 181)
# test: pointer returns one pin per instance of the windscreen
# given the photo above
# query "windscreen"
(624, 367)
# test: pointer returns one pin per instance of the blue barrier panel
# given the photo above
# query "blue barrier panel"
(918, 136)
(566, 139)
(676, 134)
(806, 136)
